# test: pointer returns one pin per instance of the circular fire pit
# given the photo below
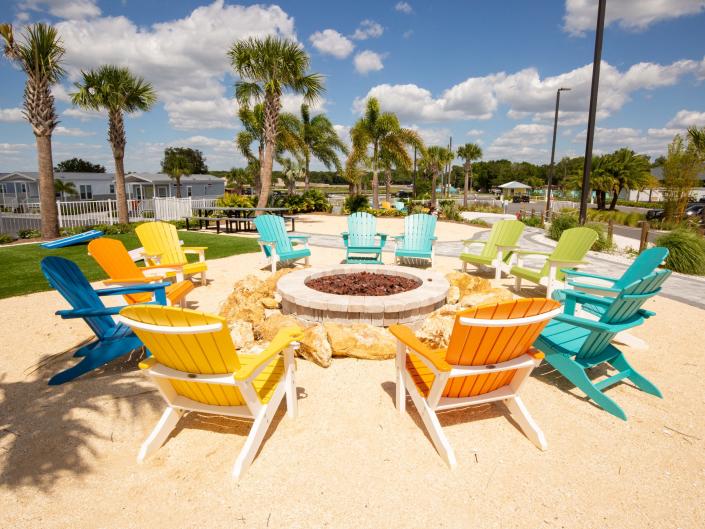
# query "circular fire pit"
(397, 294)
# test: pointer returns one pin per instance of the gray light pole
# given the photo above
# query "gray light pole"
(551, 169)
(414, 182)
(587, 167)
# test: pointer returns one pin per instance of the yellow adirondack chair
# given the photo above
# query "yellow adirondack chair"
(488, 359)
(162, 247)
(196, 368)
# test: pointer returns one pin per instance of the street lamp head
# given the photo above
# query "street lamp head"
(563, 89)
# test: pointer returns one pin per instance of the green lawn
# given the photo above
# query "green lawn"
(22, 275)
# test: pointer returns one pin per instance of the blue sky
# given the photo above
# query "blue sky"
(479, 71)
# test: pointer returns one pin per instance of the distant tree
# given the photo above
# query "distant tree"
(292, 170)
(680, 174)
(629, 171)
(469, 153)
(177, 164)
(64, 188)
(240, 177)
(78, 165)
(696, 138)
(321, 141)
(195, 158)
(433, 161)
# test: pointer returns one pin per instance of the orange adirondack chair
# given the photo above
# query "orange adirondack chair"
(112, 256)
(488, 359)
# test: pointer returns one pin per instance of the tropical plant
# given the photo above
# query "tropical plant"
(696, 137)
(239, 177)
(355, 203)
(176, 164)
(292, 171)
(233, 200)
(560, 223)
(629, 171)
(306, 202)
(680, 174)
(469, 153)
(39, 54)
(449, 210)
(195, 158)
(377, 132)
(320, 141)
(686, 251)
(78, 165)
(267, 68)
(116, 90)
(432, 163)
(64, 188)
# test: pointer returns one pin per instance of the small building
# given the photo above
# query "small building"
(656, 194)
(21, 187)
(514, 188)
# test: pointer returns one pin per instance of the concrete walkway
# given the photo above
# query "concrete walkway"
(679, 287)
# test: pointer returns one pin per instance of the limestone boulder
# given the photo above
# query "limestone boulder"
(242, 334)
(436, 330)
(493, 295)
(269, 303)
(315, 346)
(467, 283)
(244, 302)
(361, 340)
(453, 295)
(268, 329)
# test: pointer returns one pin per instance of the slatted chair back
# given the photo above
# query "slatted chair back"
(504, 233)
(419, 230)
(162, 239)
(573, 245)
(211, 351)
(68, 280)
(623, 308)
(645, 263)
(362, 228)
(112, 256)
(271, 228)
(481, 345)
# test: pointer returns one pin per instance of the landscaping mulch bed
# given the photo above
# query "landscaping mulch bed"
(363, 284)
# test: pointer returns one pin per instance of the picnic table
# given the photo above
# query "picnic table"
(239, 218)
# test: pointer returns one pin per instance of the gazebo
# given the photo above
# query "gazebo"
(513, 186)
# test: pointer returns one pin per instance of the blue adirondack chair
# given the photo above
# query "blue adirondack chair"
(573, 344)
(362, 242)
(276, 244)
(112, 339)
(417, 241)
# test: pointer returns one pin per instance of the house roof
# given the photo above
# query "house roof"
(149, 178)
(514, 185)
(162, 178)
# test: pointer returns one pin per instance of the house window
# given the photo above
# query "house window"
(112, 189)
(86, 191)
(162, 191)
(2, 188)
(189, 191)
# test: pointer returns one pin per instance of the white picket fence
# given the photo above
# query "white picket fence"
(92, 212)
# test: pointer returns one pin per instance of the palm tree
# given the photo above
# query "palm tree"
(292, 170)
(39, 55)
(379, 131)
(176, 166)
(696, 137)
(288, 137)
(433, 161)
(320, 141)
(629, 171)
(469, 153)
(116, 90)
(64, 188)
(267, 68)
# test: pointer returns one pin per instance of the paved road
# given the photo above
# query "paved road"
(679, 287)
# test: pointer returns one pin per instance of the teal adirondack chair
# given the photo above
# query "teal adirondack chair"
(572, 248)
(112, 339)
(503, 238)
(276, 244)
(399, 206)
(645, 264)
(362, 242)
(573, 344)
(417, 241)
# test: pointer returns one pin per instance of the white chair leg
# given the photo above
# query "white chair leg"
(160, 433)
(434, 429)
(292, 406)
(254, 439)
(274, 263)
(400, 394)
(203, 278)
(526, 422)
(517, 283)
(306, 260)
(465, 266)
(498, 265)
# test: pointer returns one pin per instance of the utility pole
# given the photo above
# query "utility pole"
(551, 168)
(414, 182)
(448, 167)
(587, 167)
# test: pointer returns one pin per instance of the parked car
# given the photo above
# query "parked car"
(516, 199)
(692, 211)
(654, 214)
(404, 194)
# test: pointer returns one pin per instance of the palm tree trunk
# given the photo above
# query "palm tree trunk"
(433, 189)
(465, 188)
(306, 181)
(615, 197)
(265, 176)
(388, 185)
(272, 104)
(47, 200)
(116, 136)
(178, 186)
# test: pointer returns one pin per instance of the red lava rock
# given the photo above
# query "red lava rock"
(363, 284)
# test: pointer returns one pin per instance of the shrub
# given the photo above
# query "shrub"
(483, 208)
(385, 212)
(6, 238)
(601, 244)
(448, 209)
(535, 222)
(477, 222)
(233, 200)
(306, 202)
(355, 203)
(418, 208)
(686, 251)
(560, 223)
(29, 234)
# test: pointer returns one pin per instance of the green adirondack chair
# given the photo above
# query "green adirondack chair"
(276, 244)
(362, 242)
(573, 344)
(503, 238)
(572, 248)
(417, 241)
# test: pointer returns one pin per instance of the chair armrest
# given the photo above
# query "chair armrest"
(531, 252)
(583, 297)
(570, 272)
(398, 237)
(511, 247)
(561, 262)
(302, 237)
(129, 280)
(281, 341)
(469, 242)
(152, 287)
(435, 356)
(592, 325)
(85, 313)
(194, 249)
(587, 286)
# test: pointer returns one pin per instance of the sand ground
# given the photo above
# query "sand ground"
(67, 453)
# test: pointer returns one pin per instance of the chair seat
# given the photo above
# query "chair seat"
(294, 254)
(365, 249)
(413, 253)
(174, 293)
(191, 268)
(119, 332)
(527, 273)
(475, 258)
(568, 339)
(420, 373)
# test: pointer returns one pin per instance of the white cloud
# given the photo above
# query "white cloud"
(11, 114)
(65, 131)
(331, 42)
(408, 33)
(84, 115)
(404, 7)
(581, 15)
(433, 136)
(292, 103)
(687, 118)
(60, 93)
(14, 148)
(526, 141)
(368, 61)
(368, 29)
(67, 9)
(475, 132)
(216, 113)
(185, 59)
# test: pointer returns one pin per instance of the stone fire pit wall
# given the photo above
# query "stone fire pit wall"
(406, 307)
